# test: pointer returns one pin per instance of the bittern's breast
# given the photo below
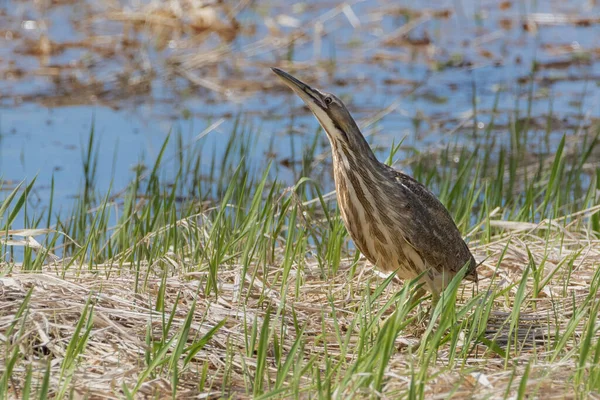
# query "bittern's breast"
(374, 233)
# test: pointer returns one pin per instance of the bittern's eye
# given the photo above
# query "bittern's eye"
(328, 100)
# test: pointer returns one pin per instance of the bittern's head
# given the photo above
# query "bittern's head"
(329, 110)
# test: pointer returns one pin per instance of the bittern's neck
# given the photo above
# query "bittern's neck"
(353, 151)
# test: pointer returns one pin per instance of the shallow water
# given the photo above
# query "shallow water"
(48, 103)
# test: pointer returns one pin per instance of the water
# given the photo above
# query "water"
(480, 51)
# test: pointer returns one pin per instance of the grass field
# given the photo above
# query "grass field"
(213, 275)
(222, 282)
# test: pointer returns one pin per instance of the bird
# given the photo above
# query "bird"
(395, 222)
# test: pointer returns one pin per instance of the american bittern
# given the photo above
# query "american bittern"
(396, 222)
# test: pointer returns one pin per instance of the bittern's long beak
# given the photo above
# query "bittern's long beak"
(309, 95)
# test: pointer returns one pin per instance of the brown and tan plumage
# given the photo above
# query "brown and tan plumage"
(395, 221)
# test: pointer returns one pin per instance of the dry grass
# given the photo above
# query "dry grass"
(124, 313)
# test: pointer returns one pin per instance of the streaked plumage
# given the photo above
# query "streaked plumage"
(395, 221)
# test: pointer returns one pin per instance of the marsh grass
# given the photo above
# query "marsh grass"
(207, 277)
(216, 280)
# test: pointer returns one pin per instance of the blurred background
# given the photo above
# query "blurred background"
(460, 73)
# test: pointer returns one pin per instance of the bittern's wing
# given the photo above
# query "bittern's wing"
(430, 229)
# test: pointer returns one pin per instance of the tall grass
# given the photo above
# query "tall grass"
(214, 277)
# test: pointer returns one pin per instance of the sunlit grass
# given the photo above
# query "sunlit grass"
(214, 277)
